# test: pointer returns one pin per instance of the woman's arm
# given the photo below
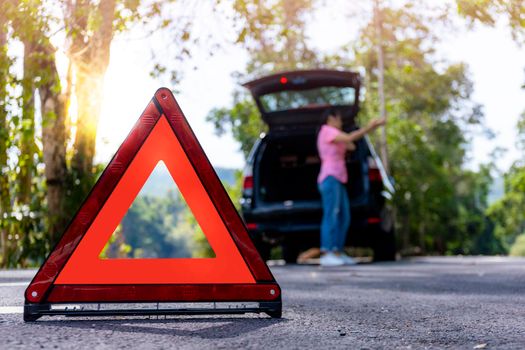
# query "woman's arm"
(350, 146)
(359, 133)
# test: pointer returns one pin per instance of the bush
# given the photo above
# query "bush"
(518, 248)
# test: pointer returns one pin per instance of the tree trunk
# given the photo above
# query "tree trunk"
(54, 138)
(406, 233)
(88, 90)
(380, 83)
(5, 198)
(40, 73)
(27, 144)
(90, 59)
(422, 234)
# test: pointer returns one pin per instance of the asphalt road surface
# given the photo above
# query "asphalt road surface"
(429, 303)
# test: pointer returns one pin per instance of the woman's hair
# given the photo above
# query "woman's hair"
(330, 112)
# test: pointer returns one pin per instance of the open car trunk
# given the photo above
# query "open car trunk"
(297, 99)
(291, 103)
(289, 165)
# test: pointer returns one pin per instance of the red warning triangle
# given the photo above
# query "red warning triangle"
(74, 272)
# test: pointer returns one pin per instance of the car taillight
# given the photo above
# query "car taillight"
(374, 175)
(251, 226)
(373, 221)
(247, 183)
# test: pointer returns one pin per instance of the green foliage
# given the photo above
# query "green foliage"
(200, 247)
(242, 120)
(116, 247)
(518, 247)
(158, 227)
(508, 212)
(273, 33)
(29, 224)
(431, 113)
(441, 209)
(22, 208)
(489, 11)
(25, 241)
(161, 225)
(5, 140)
(521, 131)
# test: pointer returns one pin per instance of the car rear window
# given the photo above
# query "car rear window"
(316, 97)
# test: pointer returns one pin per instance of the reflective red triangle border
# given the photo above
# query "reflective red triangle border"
(43, 291)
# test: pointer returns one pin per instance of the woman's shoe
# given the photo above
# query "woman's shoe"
(346, 259)
(330, 259)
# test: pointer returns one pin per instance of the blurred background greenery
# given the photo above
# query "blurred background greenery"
(50, 109)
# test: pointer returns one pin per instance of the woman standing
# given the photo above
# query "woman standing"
(332, 145)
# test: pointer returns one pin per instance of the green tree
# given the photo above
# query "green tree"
(24, 190)
(90, 26)
(489, 11)
(430, 112)
(508, 212)
(5, 193)
(518, 247)
(273, 34)
(43, 181)
(158, 227)
(430, 108)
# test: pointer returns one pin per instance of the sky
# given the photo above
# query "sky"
(497, 65)
(495, 62)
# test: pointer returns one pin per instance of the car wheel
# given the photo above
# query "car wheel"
(291, 251)
(385, 248)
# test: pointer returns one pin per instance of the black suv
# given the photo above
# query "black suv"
(281, 203)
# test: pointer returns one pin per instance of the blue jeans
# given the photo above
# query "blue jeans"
(336, 214)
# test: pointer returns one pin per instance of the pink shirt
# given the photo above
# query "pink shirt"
(332, 155)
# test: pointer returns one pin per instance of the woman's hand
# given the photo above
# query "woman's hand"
(375, 123)
(359, 133)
